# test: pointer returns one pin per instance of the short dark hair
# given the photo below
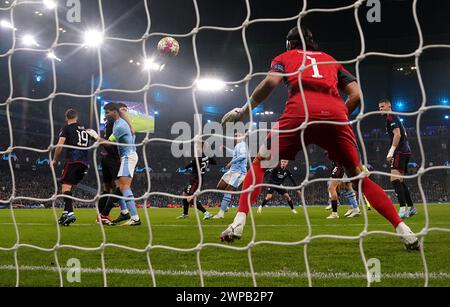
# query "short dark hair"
(122, 105)
(112, 107)
(293, 37)
(384, 101)
(71, 114)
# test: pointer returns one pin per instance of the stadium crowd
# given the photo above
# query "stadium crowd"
(33, 177)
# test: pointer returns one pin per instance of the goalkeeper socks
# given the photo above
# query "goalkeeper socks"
(111, 201)
(334, 205)
(265, 201)
(68, 207)
(131, 205)
(399, 191)
(291, 204)
(407, 195)
(200, 207)
(380, 201)
(226, 200)
(244, 204)
(102, 202)
(350, 196)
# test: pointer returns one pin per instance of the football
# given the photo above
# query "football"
(168, 46)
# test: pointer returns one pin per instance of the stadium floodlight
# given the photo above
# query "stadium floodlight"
(210, 85)
(93, 38)
(29, 40)
(6, 24)
(50, 4)
(150, 64)
(51, 55)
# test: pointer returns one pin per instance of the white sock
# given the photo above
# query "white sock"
(124, 211)
(221, 212)
(135, 218)
(402, 209)
(240, 219)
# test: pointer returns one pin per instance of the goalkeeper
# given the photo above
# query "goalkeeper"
(313, 95)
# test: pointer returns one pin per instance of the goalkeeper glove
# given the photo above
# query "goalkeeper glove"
(237, 113)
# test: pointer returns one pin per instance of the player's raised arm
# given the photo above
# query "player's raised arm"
(261, 93)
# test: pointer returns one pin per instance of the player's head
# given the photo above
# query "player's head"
(122, 107)
(293, 40)
(71, 115)
(199, 146)
(384, 105)
(284, 163)
(112, 111)
(239, 137)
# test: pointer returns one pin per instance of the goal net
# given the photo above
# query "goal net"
(277, 249)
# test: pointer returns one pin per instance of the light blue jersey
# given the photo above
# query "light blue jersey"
(122, 134)
(240, 159)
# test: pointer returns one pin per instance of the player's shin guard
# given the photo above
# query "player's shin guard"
(407, 195)
(380, 201)
(399, 191)
(226, 200)
(68, 207)
(131, 205)
(244, 205)
(200, 207)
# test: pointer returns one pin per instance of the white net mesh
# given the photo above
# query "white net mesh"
(423, 169)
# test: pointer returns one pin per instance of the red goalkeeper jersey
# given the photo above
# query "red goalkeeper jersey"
(321, 84)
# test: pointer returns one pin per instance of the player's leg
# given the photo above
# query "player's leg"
(224, 185)
(343, 149)
(225, 203)
(404, 164)
(107, 185)
(333, 194)
(278, 146)
(206, 215)
(396, 182)
(66, 190)
(110, 170)
(288, 198)
(349, 194)
(266, 199)
(185, 204)
(124, 212)
(126, 172)
(71, 178)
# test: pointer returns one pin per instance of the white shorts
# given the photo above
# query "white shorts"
(233, 178)
(127, 165)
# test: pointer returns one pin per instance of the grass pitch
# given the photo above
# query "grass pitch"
(333, 262)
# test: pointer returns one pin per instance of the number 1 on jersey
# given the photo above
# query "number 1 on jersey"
(315, 68)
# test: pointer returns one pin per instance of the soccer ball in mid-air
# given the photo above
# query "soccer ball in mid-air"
(168, 46)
